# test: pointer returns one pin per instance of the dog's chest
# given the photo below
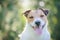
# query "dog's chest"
(29, 34)
(37, 37)
(44, 36)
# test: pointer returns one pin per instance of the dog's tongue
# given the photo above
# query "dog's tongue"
(38, 30)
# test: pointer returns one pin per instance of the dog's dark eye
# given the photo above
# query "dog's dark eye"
(31, 17)
(41, 15)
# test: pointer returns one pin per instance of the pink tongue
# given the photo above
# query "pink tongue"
(38, 31)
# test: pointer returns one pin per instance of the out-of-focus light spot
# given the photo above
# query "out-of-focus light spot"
(25, 4)
(54, 19)
(41, 3)
(9, 16)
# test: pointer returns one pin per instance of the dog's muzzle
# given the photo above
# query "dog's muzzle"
(38, 24)
(38, 27)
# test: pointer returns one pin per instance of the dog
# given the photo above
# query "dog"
(36, 25)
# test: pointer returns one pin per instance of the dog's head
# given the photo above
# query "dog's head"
(37, 19)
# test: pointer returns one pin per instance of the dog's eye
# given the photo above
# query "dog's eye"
(31, 17)
(41, 15)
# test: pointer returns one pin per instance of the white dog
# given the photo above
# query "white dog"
(36, 25)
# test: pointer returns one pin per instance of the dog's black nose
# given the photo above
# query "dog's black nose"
(37, 23)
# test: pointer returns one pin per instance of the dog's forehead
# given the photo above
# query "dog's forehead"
(37, 12)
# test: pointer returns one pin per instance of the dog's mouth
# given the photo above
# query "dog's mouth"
(38, 29)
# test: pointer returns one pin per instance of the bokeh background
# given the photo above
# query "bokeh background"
(12, 21)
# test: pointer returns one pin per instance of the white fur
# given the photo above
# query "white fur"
(29, 34)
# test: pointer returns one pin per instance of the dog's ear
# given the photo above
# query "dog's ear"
(26, 13)
(45, 11)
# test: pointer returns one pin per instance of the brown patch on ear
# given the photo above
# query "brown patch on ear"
(44, 10)
(27, 12)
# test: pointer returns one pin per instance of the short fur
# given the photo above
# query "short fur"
(28, 33)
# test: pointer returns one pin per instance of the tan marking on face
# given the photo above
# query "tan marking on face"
(36, 14)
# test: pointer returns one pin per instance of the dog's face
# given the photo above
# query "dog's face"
(37, 19)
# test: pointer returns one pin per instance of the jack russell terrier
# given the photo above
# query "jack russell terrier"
(36, 25)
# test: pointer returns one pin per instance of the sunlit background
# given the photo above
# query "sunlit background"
(12, 20)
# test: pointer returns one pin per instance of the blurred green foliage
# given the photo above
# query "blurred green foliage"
(12, 20)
